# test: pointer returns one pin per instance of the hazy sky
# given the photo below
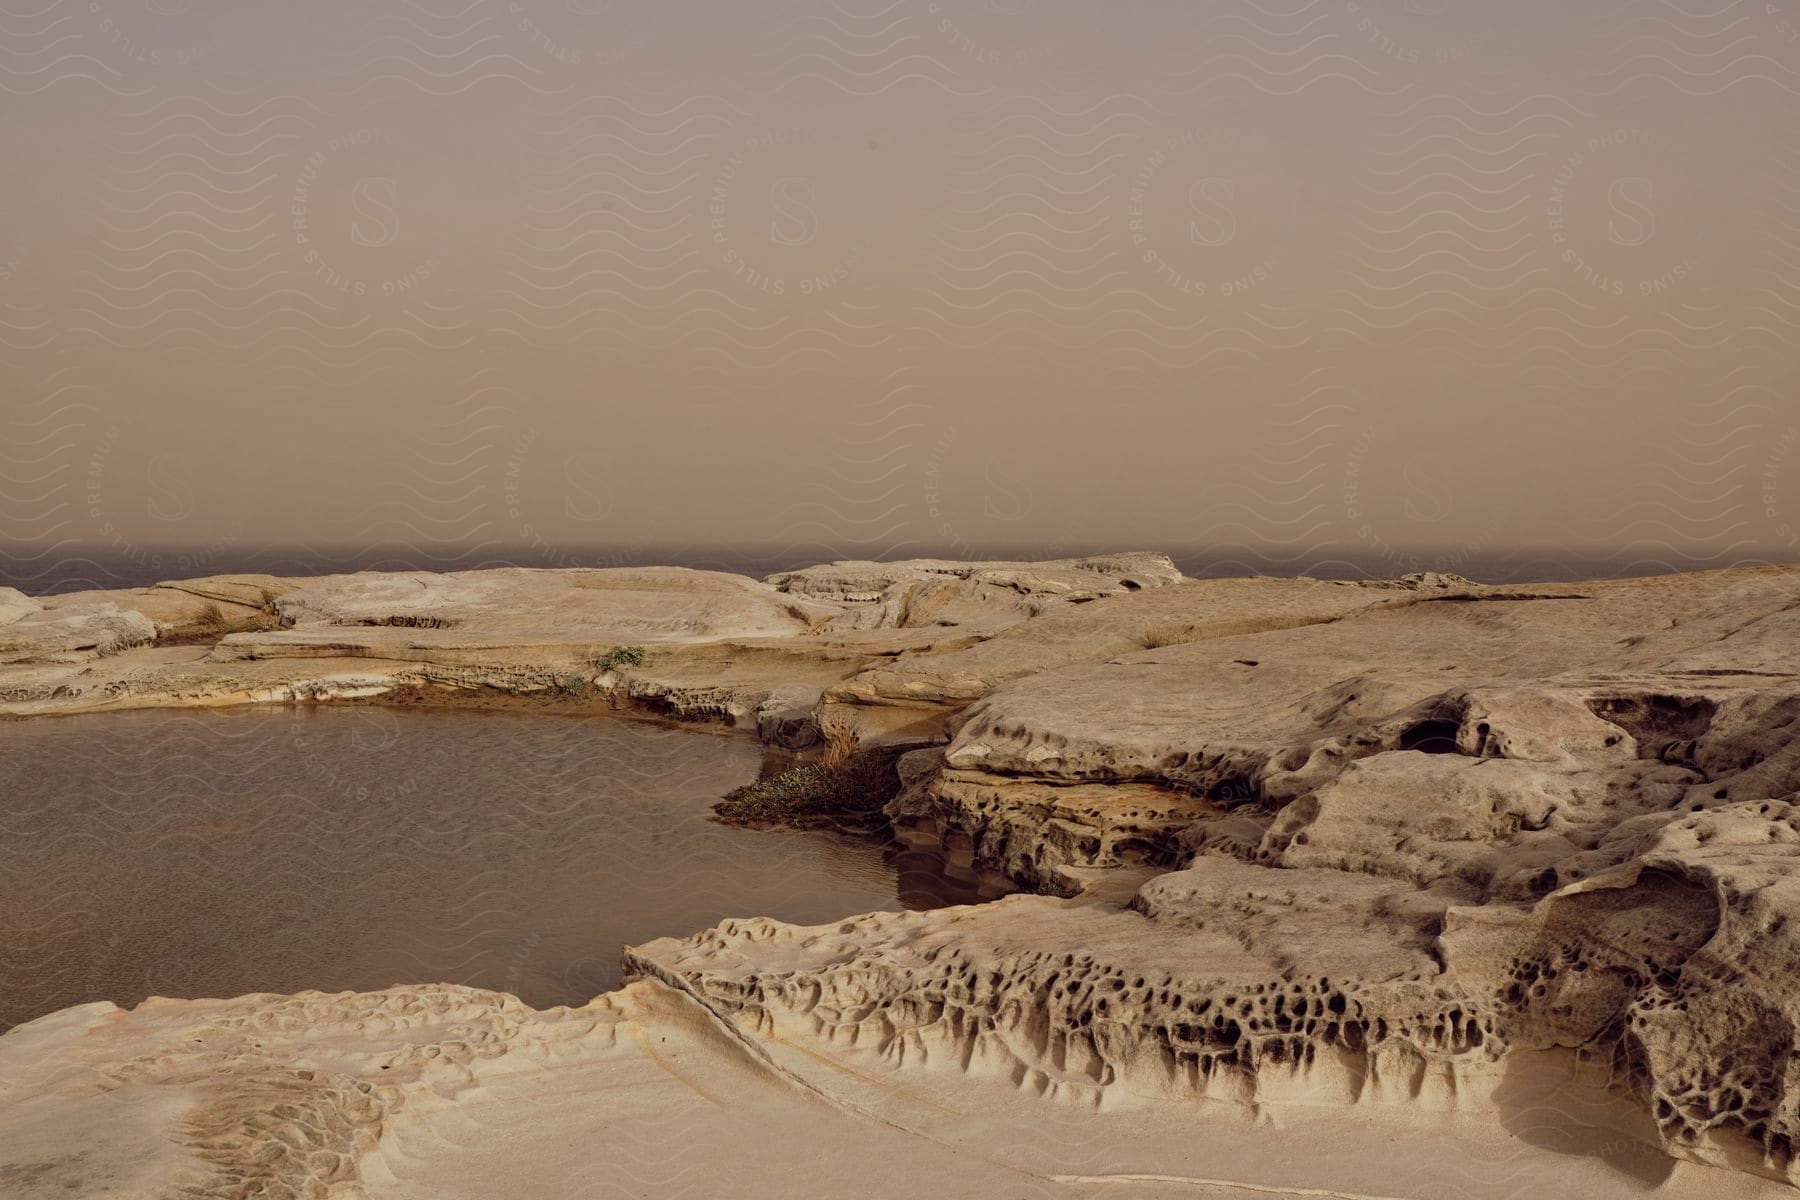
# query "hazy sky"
(1339, 280)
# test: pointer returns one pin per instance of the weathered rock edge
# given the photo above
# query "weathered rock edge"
(1305, 842)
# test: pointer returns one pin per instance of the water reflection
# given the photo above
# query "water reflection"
(213, 854)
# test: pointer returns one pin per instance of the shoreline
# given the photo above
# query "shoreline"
(1280, 843)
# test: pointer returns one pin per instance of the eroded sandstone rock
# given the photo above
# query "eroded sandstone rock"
(1297, 843)
(15, 605)
(73, 634)
(789, 716)
(988, 596)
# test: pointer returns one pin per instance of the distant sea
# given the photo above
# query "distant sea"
(71, 568)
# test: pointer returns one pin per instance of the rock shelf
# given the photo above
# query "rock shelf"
(1422, 855)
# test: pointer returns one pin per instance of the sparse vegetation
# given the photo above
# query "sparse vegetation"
(411, 621)
(776, 799)
(849, 797)
(621, 656)
(575, 687)
(1154, 637)
(212, 621)
(841, 735)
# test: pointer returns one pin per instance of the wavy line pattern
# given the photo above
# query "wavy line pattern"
(891, 267)
(501, 853)
(1339, 287)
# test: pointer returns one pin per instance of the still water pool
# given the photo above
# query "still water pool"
(217, 853)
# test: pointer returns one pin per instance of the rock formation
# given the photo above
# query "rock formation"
(1429, 848)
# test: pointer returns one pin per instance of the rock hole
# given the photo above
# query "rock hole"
(1430, 737)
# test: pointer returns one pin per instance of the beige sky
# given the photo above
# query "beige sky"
(1371, 281)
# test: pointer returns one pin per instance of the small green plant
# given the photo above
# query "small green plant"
(776, 799)
(410, 621)
(621, 656)
(848, 797)
(211, 617)
(574, 687)
(847, 788)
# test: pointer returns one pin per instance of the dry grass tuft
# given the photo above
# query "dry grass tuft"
(211, 621)
(1154, 637)
(841, 736)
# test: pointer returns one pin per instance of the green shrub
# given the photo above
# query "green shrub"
(574, 687)
(621, 656)
(849, 797)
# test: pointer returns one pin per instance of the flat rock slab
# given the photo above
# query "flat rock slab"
(1409, 861)
(624, 604)
(1173, 614)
